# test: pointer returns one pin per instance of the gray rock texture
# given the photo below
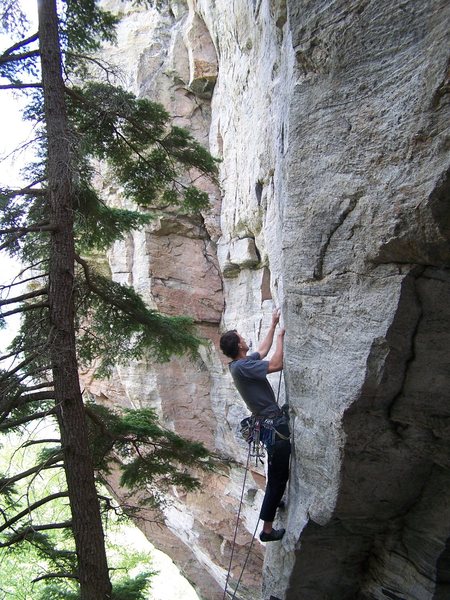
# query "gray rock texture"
(332, 122)
(366, 253)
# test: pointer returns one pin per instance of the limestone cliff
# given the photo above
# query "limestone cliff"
(331, 120)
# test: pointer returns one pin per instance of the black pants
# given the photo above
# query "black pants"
(277, 477)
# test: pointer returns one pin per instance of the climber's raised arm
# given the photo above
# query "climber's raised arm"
(266, 344)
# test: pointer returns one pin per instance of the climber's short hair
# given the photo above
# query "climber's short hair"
(229, 343)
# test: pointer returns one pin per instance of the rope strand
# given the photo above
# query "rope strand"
(245, 562)
(237, 524)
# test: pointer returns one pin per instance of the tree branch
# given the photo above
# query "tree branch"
(41, 441)
(34, 294)
(98, 421)
(20, 86)
(48, 464)
(26, 308)
(55, 575)
(22, 281)
(39, 386)
(21, 44)
(18, 236)
(121, 305)
(20, 399)
(21, 535)
(108, 68)
(8, 58)
(32, 374)
(31, 507)
(9, 424)
(20, 366)
(31, 267)
(25, 191)
(37, 397)
(127, 439)
(22, 230)
(19, 351)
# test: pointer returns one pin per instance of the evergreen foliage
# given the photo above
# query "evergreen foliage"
(12, 17)
(154, 164)
(121, 327)
(53, 547)
(145, 153)
(128, 588)
(151, 457)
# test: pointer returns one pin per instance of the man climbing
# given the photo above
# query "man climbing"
(250, 377)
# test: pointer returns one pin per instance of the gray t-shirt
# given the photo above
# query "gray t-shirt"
(250, 377)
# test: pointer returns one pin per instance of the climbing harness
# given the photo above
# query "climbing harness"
(262, 432)
(259, 433)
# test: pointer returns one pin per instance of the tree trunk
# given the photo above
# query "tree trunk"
(87, 526)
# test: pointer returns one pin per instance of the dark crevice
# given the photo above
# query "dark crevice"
(443, 565)
(412, 355)
(210, 260)
(392, 595)
(318, 271)
(257, 252)
(258, 192)
(266, 294)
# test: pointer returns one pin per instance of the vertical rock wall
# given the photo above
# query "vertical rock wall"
(366, 252)
(331, 120)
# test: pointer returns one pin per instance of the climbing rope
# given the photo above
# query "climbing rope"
(245, 561)
(237, 520)
(237, 525)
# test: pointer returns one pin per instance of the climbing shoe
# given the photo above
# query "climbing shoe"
(273, 536)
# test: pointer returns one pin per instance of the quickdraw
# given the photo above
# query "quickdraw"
(262, 433)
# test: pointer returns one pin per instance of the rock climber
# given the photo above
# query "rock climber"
(249, 373)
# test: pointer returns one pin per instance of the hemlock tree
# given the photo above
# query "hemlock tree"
(16, 582)
(70, 313)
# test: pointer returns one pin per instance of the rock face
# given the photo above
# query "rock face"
(331, 120)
